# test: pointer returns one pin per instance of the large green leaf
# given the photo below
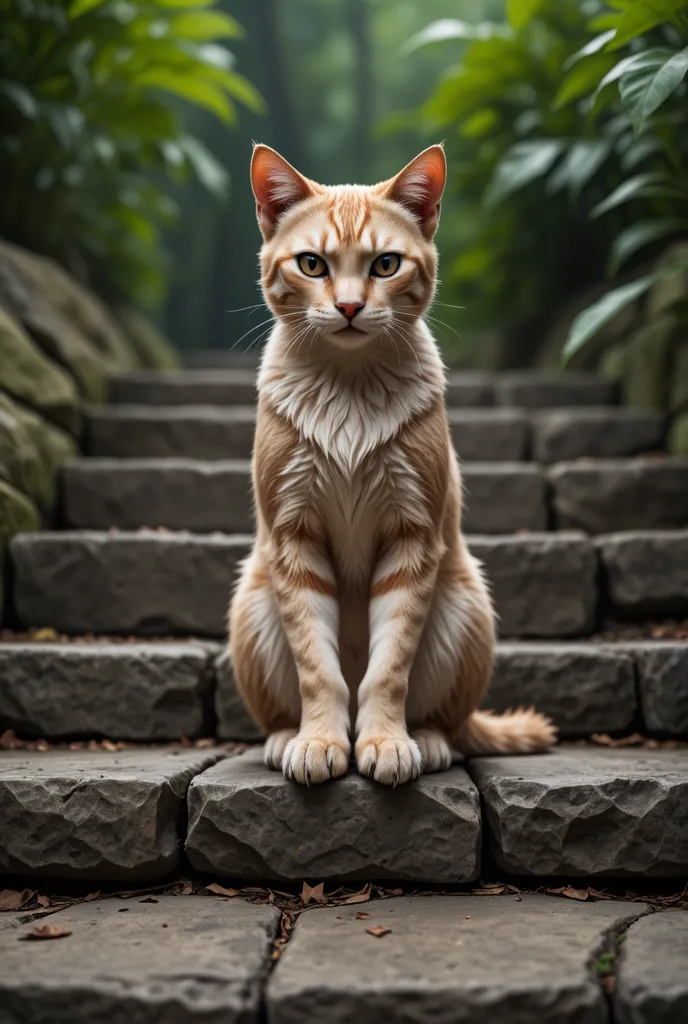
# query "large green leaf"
(580, 164)
(207, 168)
(20, 96)
(642, 15)
(596, 44)
(633, 188)
(640, 234)
(588, 323)
(452, 29)
(583, 78)
(189, 87)
(521, 165)
(644, 89)
(520, 12)
(204, 25)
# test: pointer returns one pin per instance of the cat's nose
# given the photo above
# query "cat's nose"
(349, 309)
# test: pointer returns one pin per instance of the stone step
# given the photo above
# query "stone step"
(153, 691)
(184, 387)
(454, 958)
(249, 823)
(160, 584)
(652, 980)
(222, 359)
(172, 958)
(646, 572)
(479, 435)
(586, 812)
(95, 814)
(203, 496)
(541, 389)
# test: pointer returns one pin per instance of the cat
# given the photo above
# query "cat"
(360, 602)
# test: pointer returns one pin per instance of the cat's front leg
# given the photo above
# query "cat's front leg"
(306, 593)
(400, 598)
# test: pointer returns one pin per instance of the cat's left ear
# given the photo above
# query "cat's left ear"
(277, 187)
(419, 187)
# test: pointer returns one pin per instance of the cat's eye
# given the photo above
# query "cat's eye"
(311, 265)
(386, 265)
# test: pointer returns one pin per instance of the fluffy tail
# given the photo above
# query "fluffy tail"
(516, 732)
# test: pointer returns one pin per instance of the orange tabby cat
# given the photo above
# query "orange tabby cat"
(360, 602)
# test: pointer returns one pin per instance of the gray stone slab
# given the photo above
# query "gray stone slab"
(583, 688)
(184, 431)
(586, 812)
(563, 434)
(100, 815)
(184, 387)
(234, 721)
(608, 495)
(222, 359)
(662, 671)
(489, 435)
(447, 959)
(248, 822)
(180, 960)
(146, 583)
(540, 389)
(470, 389)
(180, 494)
(543, 584)
(501, 497)
(141, 691)
(652, 978)
(646, 572)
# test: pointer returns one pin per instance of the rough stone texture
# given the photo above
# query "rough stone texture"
(234, 721)
(185, 387)
(180, 494)
(547, 390)
(147, 583)
(222, 359)
(542, 584)
(489, 435)
(448, 960)
(584, 688)
(560, 435)
(662, 670)
(248, 822)
(31, 452)
(187, 431)
(646, 572)
(470, 389)
(592, 811)
(501, 497)
(141, 691)
(95, 815)
(151, 347)
(180, 960)
(637, 494)
(652, 980)
(16, 512)
(28, 375)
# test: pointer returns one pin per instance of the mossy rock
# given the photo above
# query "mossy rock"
(17, 513)
(152, 348)
(648, 363)
(32, 452)
(65, 319)
(677, 442)
(672, 288)
(678, 396)
(28, 374)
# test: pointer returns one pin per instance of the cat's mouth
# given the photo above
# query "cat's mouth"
(349, 329)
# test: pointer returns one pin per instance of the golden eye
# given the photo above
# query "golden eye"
(311, 265)
(386, 265)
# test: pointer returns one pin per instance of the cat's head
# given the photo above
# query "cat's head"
(351, 263)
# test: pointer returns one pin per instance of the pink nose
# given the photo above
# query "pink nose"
(349, 309)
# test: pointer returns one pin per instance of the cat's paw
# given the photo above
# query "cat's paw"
(275, 745)
(311, 759)
(434, 749)
(390, 760)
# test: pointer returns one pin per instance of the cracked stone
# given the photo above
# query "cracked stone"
(248, 822)
(652, 980)
(662, 669)
(646, 572)
(234, 721)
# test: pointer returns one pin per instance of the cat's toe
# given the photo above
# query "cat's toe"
(313, 759)
(275, 745)
(434, 749)
(390, 761)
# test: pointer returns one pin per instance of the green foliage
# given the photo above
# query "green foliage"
(92, 137)
(568, 137)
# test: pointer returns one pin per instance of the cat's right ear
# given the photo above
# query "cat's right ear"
(277, 187)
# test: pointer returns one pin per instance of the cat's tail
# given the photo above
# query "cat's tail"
(524, 731)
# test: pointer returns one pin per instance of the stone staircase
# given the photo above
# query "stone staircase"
(582, 524)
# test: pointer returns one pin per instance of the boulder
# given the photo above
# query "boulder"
(152, 348)
(30, 376)
(31, 452)
(17, 513)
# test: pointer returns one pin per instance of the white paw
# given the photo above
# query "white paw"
(275, 745)
(389, 760)
(434, 749)
(310, 759)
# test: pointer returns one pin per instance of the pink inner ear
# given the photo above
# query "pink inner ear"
(420, 185)
(276, 184)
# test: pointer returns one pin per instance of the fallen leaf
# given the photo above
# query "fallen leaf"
(395, 892)
(576, 894)
(360, 916)
(359, 897)
(558, 891)
(378, 931)
(492, 890)
(220, 890)
(42, 901)
(186, 889)
(45, 931)
(93, 896)
(315, 893)
(12, 899)
(46, 633)
(148, 899)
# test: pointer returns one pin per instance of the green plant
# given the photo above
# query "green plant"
(94, 95)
